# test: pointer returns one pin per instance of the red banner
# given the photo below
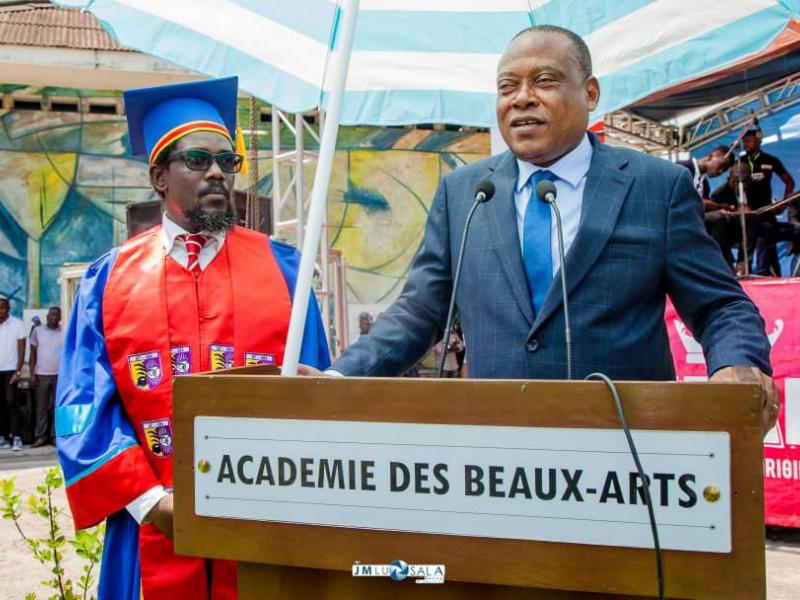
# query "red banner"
(779, 303)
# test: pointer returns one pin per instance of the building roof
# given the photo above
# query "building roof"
(43, 25)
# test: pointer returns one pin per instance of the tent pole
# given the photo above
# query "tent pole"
(299, 151)
(276, 171)
(318, 205)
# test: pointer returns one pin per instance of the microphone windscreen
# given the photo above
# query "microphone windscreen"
(484, 191)
(544, 189)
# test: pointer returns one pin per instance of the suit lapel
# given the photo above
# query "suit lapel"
(603, 196)
(504, 229)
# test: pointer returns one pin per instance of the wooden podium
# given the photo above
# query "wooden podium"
(290, 560)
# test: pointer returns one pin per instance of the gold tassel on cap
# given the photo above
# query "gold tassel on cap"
(241, 149)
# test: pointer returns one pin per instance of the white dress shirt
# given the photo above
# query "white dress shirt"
(698, 178)
(11, 331)
(48, 343)
(176, 250)
(571, 170)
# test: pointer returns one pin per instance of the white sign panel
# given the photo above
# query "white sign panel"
(526, 483)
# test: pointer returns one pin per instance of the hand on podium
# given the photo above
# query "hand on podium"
(770, 404)
(161, 516)
(307, 371)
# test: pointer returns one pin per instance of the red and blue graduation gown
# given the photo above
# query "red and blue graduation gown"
(139, 320)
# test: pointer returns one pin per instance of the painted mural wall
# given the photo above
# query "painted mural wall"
(66, 178)
(381, 189)
(64, 181)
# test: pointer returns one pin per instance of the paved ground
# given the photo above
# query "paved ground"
(27, 458)
(20, 573)
(783, 563)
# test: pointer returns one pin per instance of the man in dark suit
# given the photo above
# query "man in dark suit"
(632, 223)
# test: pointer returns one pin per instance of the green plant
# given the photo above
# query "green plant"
(50, 550)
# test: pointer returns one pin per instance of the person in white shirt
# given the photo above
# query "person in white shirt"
(46, 343)
(12, 354)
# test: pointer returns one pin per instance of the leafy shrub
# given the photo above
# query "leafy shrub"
(51, 549)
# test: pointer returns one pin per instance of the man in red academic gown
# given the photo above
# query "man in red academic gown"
(193, 294)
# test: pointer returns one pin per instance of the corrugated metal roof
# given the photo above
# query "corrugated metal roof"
(48, 26)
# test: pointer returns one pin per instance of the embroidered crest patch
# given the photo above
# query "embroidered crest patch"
(181, 358)
(145, 369)
(257, 358)
(158, 435)
(221, 357)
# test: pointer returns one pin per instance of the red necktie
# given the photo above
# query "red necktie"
(194, 243)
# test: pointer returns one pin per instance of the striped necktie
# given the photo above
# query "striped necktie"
(194, 243)
(536, 250)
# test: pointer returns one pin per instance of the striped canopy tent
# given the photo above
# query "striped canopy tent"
(423, 61)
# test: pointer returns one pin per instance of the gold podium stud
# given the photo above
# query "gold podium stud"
(203, 465)
(711, 493)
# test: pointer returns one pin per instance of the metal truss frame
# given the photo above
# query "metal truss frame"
(737, 112)
(625, 128)
(290, 195)
(289, 198)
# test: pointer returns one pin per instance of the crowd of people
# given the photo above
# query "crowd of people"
(755, 230)
(41, 377)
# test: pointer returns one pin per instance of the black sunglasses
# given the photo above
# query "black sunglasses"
(201, 160)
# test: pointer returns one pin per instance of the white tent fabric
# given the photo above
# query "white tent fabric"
(418, 61)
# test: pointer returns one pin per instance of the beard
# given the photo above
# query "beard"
(212, 220)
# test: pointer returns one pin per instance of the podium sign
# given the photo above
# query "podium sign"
(338, 487)
(524, 483)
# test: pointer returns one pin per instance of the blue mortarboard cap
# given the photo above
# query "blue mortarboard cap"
(158, 116)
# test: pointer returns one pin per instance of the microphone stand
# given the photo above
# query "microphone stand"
(563, 270)
(456, 278)
(742, 201)
(546, 192)
(741, 196)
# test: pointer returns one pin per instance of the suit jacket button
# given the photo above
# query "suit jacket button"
(532, 346)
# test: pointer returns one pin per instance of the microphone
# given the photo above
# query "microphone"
(483, 193)
(546, 192)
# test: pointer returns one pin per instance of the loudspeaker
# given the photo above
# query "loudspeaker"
(26, 413)
(141, 216)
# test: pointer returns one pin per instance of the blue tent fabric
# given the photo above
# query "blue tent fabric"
(733, 85)
(425, 62)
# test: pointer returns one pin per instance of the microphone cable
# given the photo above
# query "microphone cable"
(645, 481)
(546, 192)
